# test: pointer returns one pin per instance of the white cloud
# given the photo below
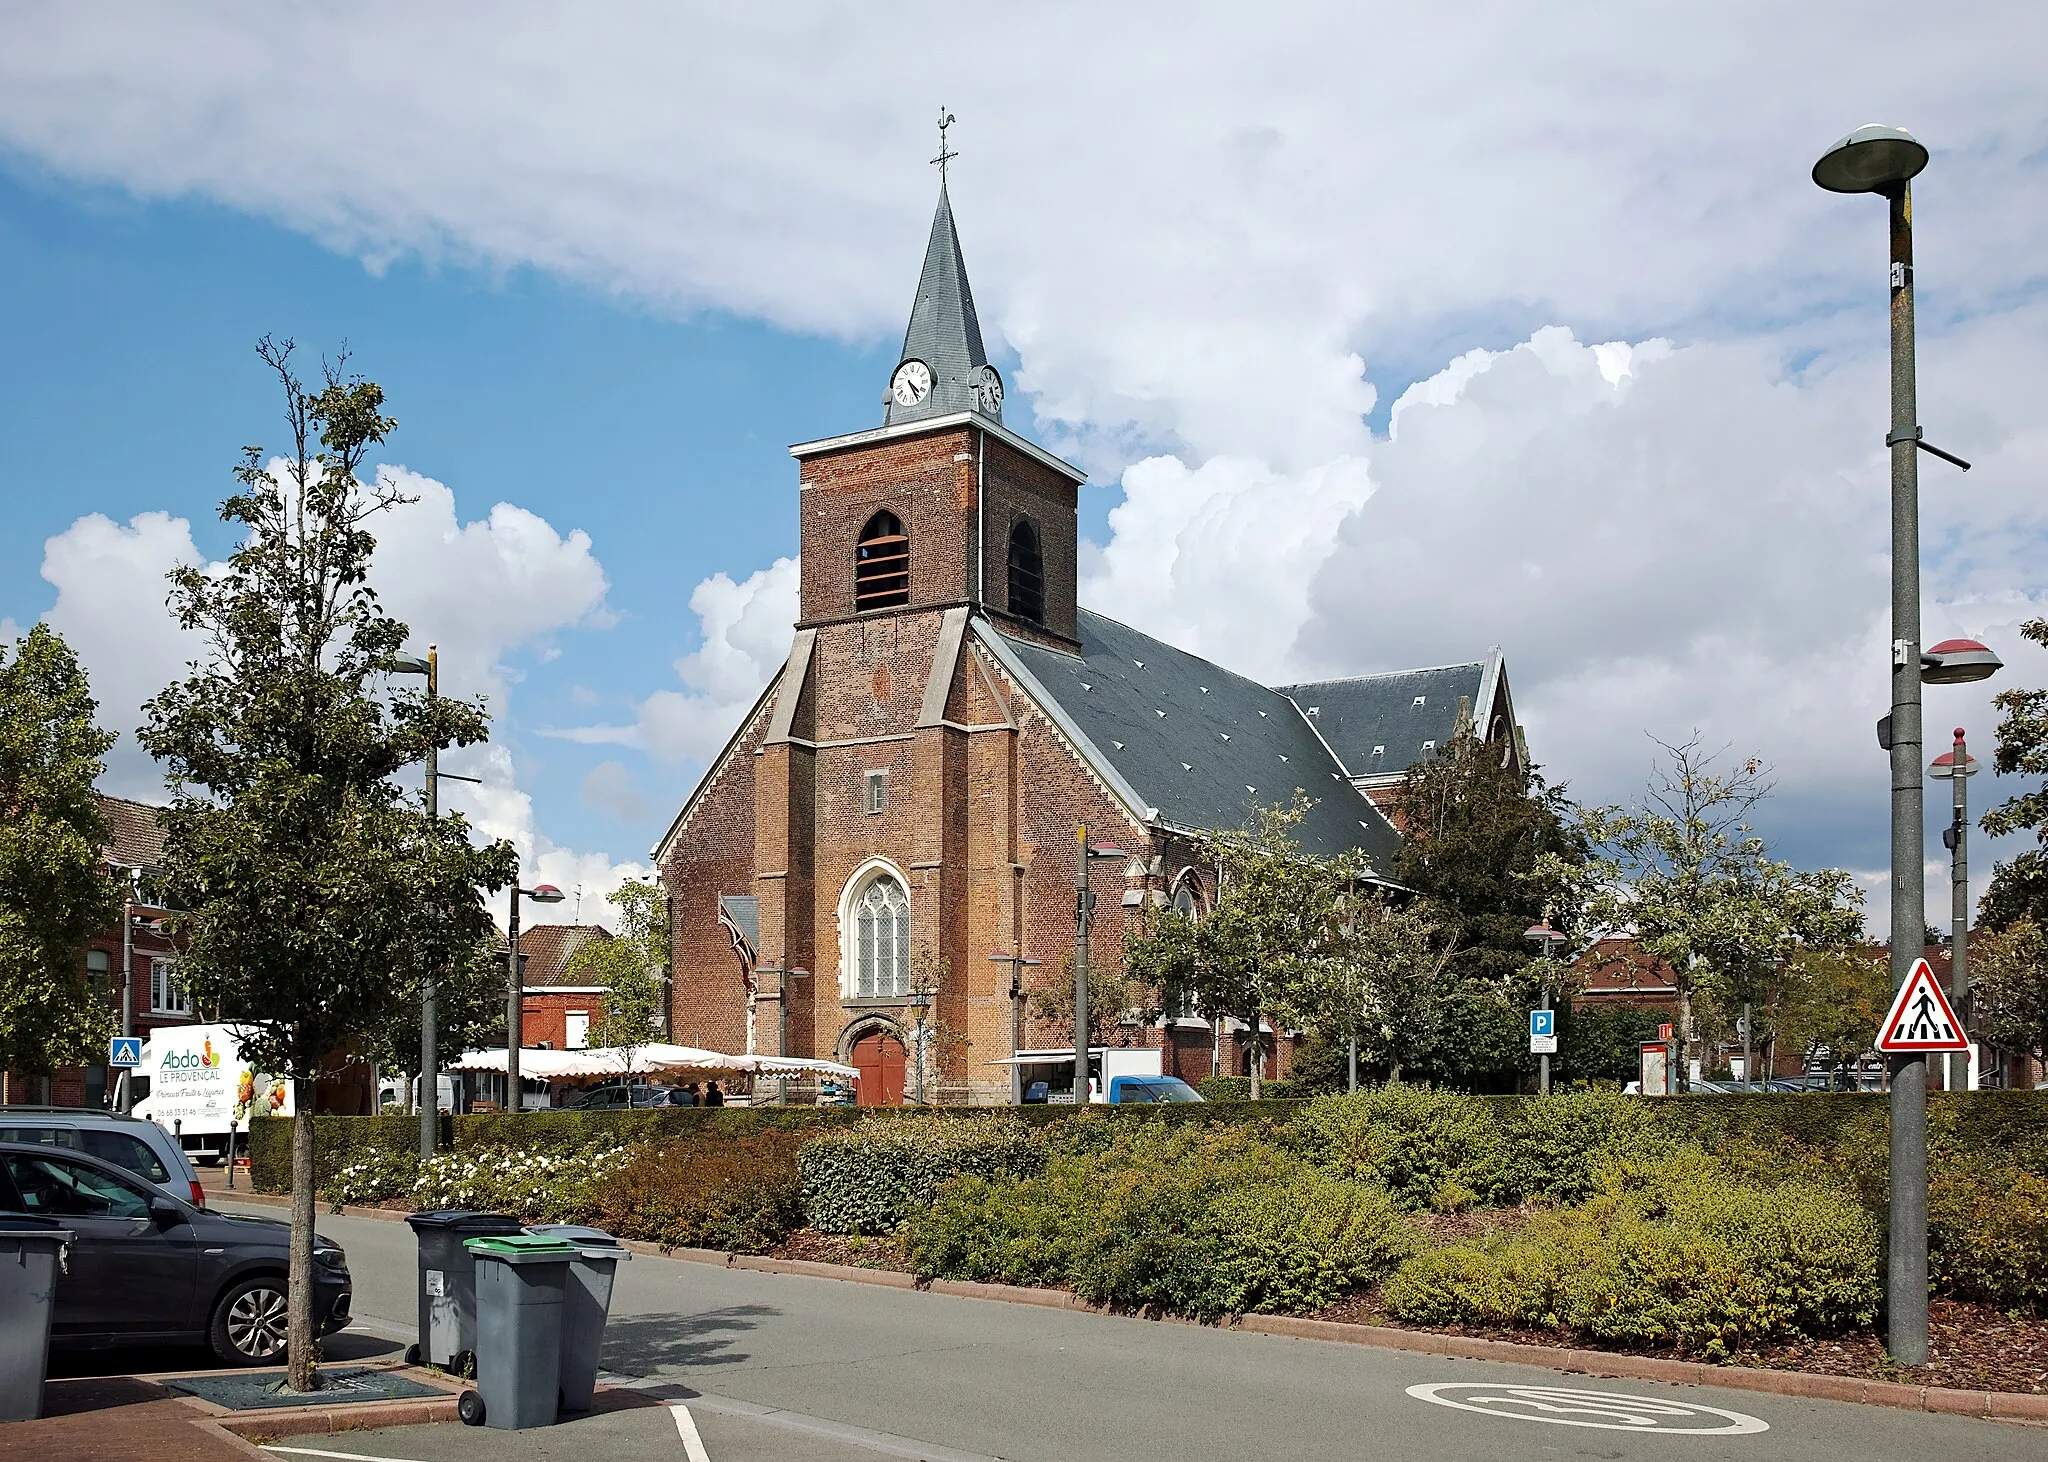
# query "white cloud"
(483, 589)
(609, 788)
(744, 633)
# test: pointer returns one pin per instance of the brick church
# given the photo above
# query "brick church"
(898, 811)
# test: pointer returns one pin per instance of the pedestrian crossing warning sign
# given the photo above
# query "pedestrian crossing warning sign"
(1921, 1018)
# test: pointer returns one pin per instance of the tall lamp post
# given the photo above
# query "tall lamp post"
(1547, 941)
(515, 984)
(1885, 160)
(1084, 913)
(920, 1012)
(1018, 964)
(1957, 767)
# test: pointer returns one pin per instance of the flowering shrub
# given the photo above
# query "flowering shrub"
(550, 1187)
(375, 1177)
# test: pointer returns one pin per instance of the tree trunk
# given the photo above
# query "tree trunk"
(300, 1289)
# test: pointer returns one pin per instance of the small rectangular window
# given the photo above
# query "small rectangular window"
(167, 994)
(877, 791)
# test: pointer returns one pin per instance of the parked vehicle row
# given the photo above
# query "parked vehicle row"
(147, 1266)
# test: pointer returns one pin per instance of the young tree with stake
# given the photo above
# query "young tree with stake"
(316, 894)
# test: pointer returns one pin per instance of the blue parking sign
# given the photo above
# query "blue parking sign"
(1542, 1023)
(125, 1052)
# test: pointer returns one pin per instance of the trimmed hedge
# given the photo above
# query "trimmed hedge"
(1239, 1089)
(1844, 1130)
(744, 1195)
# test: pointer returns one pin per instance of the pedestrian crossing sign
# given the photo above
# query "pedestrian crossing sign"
(1921, 1019)
(124, 1052)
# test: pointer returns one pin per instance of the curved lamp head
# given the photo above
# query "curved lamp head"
(1957, 662)
(545, 893)
(1871, 159)
(409, 664)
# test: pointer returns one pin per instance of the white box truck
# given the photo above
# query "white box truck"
(200, 1088)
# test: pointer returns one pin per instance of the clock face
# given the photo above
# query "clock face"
(990, 389)
(911, 383)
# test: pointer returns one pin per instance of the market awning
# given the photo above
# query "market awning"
(611, 1061)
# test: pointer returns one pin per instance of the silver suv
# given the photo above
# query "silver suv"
(130, 1143)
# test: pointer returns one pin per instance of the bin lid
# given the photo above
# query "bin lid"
(521, 1248)
(576, 1233)
(464, 1220)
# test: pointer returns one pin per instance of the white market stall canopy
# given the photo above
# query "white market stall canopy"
(608, 1061)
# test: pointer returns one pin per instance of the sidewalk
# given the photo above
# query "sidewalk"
(91, 1418)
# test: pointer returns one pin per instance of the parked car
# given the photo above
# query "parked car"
(140, 1147)
(1127, 1089)
(148, 1268)
(615, 1096)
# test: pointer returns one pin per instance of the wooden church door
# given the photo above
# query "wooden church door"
(879, 1060)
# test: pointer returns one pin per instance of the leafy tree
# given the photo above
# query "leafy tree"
(632, 966)
(1602, 1042)
(1684, 871)
(316, 896)
(54, 891)
(1834, 1001)
(469, 1009)
(1379, 975)
(2009, 985)
(1115, 995)
(2019, 887)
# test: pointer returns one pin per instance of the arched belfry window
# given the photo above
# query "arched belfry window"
(881, 564)
(881, 939)
(1027, 573)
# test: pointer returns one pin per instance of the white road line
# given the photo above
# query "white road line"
(693, 1445)
(351, 1456)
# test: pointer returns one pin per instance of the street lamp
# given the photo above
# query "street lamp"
(1547, 941)
(920, 1011)
(1885, 160)
(1957, 767)
(1018, 964)
(1084, 913)
(515, 984)
(430, 1060)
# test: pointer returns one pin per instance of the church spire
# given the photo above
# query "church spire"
(944, 369)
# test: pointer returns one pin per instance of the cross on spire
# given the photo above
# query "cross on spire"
(946, 155)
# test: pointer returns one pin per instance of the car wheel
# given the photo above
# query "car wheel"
(250, 1324)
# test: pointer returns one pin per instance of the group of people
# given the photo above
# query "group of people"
(689, 1096)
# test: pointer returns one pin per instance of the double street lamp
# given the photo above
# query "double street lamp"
(1885, 160)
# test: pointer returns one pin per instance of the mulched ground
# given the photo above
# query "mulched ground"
(882, 1252)
(1972, 1347)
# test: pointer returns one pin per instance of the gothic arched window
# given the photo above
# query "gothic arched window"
(881, 564)
(1027, 573)
(881, 939)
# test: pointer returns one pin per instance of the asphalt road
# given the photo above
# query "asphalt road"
(790, 1367)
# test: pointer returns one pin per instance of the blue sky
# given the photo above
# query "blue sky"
(1383, 340)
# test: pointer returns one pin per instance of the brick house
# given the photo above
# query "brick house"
(556, 1012)
(900, 805)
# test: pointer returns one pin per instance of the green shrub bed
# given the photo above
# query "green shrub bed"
(868, 1180)
(744, 1196)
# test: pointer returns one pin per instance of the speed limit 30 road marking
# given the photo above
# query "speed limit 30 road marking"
(1605, 1410)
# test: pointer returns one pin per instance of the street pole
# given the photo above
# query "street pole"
(128, 978)
(430, 1063)
(1748, 1058)
(1907, 1268)
(1543, 1060)
(1082, 900)
(1960, 769)
(515, 995)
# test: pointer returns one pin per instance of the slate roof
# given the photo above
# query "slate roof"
(1374, 722)
(1199, 744)
(137, 832)
(944, 332)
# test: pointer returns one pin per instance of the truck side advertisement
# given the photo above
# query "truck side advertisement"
(199, 1084)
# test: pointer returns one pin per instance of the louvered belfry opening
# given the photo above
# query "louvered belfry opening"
(1027, 574)
(881, 564)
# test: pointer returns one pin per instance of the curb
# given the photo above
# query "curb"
(237, 1429)
(2012, 1406)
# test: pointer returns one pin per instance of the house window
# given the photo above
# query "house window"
(576, 1031)
(881, 940)
(875, 793)
(99, 968)
(167, 995)
(1027, 573)
(881, 564)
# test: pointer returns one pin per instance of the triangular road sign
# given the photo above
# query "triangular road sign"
(1921, 1018)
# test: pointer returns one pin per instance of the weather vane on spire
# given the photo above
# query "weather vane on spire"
(946, 155)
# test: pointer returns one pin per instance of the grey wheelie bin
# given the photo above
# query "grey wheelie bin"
(586, 1304)
(520, 1284)
(31, 1256)
(448, 1282)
